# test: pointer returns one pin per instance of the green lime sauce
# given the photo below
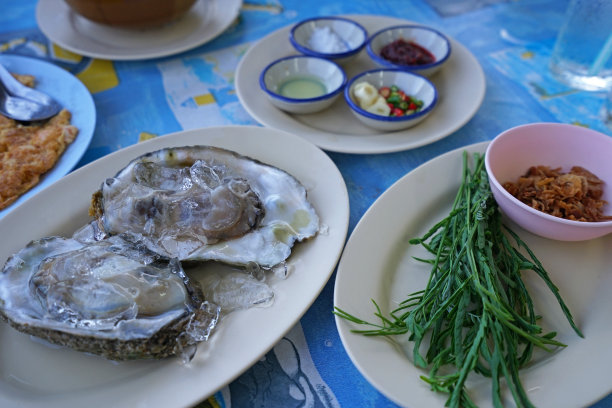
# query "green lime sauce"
(302, 88)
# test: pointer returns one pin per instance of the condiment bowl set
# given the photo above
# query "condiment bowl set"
(314, 37)
(434, 41)
(302, 67)
(414, 85)
(326, 43)
(514, 151)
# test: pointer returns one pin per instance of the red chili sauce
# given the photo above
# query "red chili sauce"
(404, 52)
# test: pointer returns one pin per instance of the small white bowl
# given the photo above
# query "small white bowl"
(320, 37)
(326, 73)
(414, 85)
(432, 40)
(512, 152)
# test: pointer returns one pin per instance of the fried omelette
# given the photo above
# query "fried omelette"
(27, 151)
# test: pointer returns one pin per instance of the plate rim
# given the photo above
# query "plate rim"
(332, 142)
(330, 245)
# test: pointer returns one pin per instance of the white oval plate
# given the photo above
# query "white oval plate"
(38, 375)
(377, 264)
(72, 95)
(460, 84)
(205, 20)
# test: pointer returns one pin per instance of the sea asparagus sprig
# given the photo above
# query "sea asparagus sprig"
(475, 311)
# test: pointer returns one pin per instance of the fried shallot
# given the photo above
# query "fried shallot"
(576, 195)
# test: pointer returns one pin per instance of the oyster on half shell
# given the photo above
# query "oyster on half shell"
(206, 203)
(108, 298)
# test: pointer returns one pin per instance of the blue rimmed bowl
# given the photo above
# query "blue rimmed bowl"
(412, 84)
(292, 83)
(433, 41)
(335, 38)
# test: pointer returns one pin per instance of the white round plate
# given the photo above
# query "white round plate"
(33, 374)
(205, 20)
(377, 264)
(460, 84)
(72, 95)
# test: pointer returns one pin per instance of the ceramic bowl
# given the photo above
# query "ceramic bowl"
(432, 40)
(512, 152)
(335, 38)
(414, 85)
(278, 75)
(131, 13)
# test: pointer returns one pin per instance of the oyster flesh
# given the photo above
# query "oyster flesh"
(109, 298)
(206, 203)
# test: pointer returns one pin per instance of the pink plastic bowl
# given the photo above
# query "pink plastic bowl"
(512, 152)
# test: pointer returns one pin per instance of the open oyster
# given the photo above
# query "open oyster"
(206, 203)
(108, 298)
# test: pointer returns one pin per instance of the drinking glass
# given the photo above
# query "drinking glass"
(582, 56)
(608, 109)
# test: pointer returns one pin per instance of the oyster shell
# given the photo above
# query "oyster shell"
(207, 203)
(108, 298)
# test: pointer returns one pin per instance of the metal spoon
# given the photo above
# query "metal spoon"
(22, 109)
(20, 102)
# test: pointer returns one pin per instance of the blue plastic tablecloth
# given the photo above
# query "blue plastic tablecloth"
(512, 40)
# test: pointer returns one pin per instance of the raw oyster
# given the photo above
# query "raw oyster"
(206, 203)
(108, 298)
